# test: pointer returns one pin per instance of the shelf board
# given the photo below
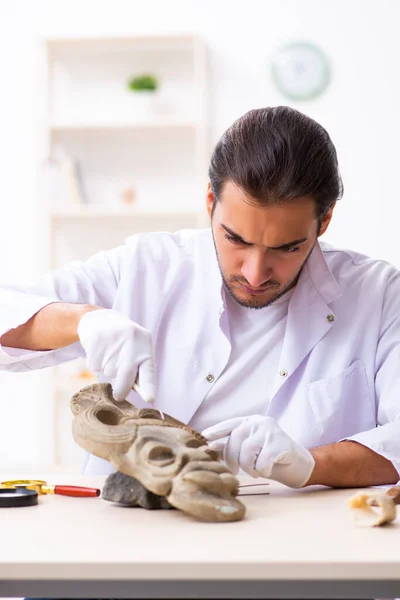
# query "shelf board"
(159, 123)
(119, 41)
(89, 212)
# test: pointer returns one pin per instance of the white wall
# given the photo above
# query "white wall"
(359, 111)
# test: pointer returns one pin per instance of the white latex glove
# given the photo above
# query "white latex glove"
(119, 349)
(259, 446)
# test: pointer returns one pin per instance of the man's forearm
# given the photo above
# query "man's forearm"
(350, 464)
(54, 326)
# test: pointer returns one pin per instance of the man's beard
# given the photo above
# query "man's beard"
(253, 303)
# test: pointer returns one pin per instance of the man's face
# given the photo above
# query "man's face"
(261, 251)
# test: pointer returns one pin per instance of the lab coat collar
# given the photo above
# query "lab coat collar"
(309, 315)
(318, 273)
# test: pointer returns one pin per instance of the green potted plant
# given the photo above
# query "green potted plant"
(144, 87)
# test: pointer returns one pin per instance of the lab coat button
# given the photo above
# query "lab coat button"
(330, 318)
(283, 373)
(210, 378)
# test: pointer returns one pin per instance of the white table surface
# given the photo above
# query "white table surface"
(287, 536)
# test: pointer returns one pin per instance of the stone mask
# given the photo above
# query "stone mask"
(168, 458)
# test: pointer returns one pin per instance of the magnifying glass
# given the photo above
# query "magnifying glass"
(12, 497)
(41, 488)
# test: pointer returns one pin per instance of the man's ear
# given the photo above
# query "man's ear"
(210, 199)
(326, 220)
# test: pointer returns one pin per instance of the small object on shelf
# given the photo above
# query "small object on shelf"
(69, 168)
(63, 171)
(143, 83)
(144, 88)
(128, 195)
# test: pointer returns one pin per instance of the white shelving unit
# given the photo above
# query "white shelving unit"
(161, 153)
(158, 123)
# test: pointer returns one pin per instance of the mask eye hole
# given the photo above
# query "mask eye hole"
(193, 443)
(161, 454)
(108, 417)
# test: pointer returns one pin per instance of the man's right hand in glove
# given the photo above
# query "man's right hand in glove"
(121, 350)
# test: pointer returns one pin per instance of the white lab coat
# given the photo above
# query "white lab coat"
(338, 375)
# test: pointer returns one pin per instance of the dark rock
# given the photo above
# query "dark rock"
(128, 491)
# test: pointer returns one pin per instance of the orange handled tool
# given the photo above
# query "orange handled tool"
(42, 488)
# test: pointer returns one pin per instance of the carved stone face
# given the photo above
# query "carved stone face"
(166, 456)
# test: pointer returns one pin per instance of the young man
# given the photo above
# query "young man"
(275, 346)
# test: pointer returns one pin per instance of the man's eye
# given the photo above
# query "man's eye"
(290, 250)
(233, 239)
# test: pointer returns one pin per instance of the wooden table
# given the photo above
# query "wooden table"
(291, 544)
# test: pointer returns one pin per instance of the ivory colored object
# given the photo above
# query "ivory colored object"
(374, 508)
(167, 457)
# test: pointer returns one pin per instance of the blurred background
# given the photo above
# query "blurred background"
(109, 110)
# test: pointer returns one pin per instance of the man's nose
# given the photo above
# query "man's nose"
(255, 270)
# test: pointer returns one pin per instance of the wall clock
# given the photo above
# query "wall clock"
(301, 71)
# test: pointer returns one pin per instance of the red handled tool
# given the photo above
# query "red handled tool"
(41, 487)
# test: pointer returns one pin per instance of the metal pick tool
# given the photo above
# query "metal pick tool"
(138, 391)
(247, 485)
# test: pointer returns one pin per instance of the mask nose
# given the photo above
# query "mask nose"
(196, 454)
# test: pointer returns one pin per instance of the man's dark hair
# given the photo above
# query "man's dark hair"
(275, 155)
